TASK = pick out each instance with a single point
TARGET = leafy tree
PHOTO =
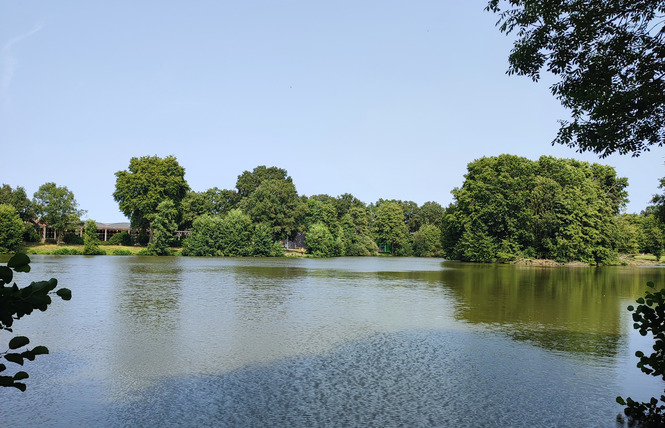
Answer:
(610, 59)
(91, 240)
(11, 229)
(275, 203)
(262, 243)
(236, 234)
(163, 226)
(248, 182)
(149, 181)
(651, 238)
(213, 201)
(427, 242)
(122, 238)
(429, 213)
(320, 242)
(206, 234)
(510, 206)
(628, 241)
(649, 317)
(19, 200)
(390, 227)
(57, 207)
(15, 303)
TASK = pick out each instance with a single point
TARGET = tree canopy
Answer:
(149, 181)
(609, 57)
(57, 207)
(510, 207)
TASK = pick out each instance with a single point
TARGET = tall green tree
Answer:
(275, 203)
(163, 226)
(427, 242)
(609, 57)
(553, 208)
(57, 207)
(91, 239)
(19, 200)
(149, 181)
(11, 229)
(390, 227)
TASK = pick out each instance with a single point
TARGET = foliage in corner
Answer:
(15, 303)
(649, 316)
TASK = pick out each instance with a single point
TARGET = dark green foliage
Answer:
(233, 235)
(30, 233)
(121, 252)
(276, 203)
(11, 229)
(66, 252)
(427, 242)
(163, 225)
(16, 303)
(213, 201)
(149, 181)
(248, 182)
(71, 238)
(91, 240)
(511, 207)
(19, 200)
(390, 227)
(320, 242)
(57, 207)
(649, 317)
(122, 238)
(610, 59)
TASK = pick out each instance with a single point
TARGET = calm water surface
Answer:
(337, 342)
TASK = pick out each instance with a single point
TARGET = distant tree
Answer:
(91, 240)
(628, 240)
(275, 203)
(427, 242)
(319, 241)
(552, 208)
(213, 201)
(11, 229)
(429, 213)
(248, 181)
(651, 236)
(262, 243)
(390, 227)
(57, 207)
(149, 181)
(19, 200)
(609, 57)
(163, 226)
(205, 237)
(236, 234)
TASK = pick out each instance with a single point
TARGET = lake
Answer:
(179, 341)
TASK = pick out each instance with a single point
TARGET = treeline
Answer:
(508, 207)
(263, 209)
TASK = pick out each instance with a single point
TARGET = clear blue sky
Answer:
(381, 99)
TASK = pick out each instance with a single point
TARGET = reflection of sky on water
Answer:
(384, 341)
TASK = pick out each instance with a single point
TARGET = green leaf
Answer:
(6, 274)
(621, 401)
(14, 358)
(64, 293)
(2, 367)
(18, 342)
(631, 308)
(40, 350)
(28, 355)
(21, 376)
(20, 386)
(19, 262)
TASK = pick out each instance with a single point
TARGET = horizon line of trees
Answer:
(508, 207)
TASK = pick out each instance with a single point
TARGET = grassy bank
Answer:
(111, 250)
